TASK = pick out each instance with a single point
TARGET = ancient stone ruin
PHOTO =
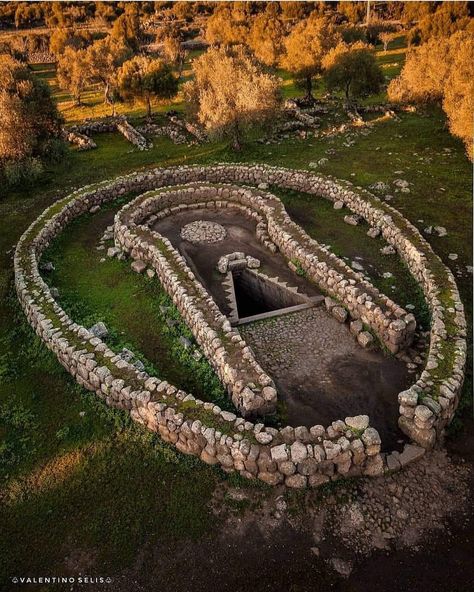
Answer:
(297, 456)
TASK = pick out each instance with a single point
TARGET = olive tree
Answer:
(354, 70)
(146, 79)
(266, 36)
(73, 72)
(103, 60)
(30, 124)
(231, 92)
(441, 71)
(306, 46)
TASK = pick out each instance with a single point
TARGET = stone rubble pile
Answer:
(237, 261)
(80, 140)
(171, 131)
(133, 135)
(203, 231)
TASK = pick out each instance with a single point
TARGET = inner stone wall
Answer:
(393, 326)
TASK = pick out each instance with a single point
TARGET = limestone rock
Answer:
(358, 422)
(365, 339)
(138, 266)
(99, 330)
(339, 313)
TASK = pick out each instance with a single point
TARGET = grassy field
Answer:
(83, 488)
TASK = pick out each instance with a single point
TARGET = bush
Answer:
(54, 150)
(23, 172)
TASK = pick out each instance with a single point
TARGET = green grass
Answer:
(326, 225)
(92, 290)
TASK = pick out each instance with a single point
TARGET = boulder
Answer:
(99, 330)
(138, 266)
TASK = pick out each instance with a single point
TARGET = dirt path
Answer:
(333, 540)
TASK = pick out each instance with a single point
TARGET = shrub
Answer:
(23, 172)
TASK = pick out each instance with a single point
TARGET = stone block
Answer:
(410, 454)
(365, 339)
(298, 452)
(138, 266)
(339, 313)
(358, 422)
(296, 481)
(279, 453)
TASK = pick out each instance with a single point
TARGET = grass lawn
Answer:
(81, 485)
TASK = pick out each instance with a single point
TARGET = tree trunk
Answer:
(348, 84)
(148, 106)
(236, 140)
(107, 100)
(309, 89)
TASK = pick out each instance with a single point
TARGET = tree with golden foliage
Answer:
(352, 69)
(448, 18)
(145, 79)
(355, 12)
(29, 121)
(127, 28)
(294, 10)
(62, 38)
(173, 52)
(415, 11)
(305, 48)
(231, 92)
(103, 60)
(229, 24)
(442, 70)
(73, 72)
(266, 35)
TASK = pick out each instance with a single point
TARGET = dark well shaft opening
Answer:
(256, 295)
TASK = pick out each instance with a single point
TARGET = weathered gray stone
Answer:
(138, 266)
(339, 313)
(298, 452)
(279, 453)
(410, 454)
(99, 330)
(371, 440)
(365, 339)
(358, 422)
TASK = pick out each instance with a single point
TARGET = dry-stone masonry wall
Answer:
(108, 124)
(393, 325)
(251, 389)
(298, 457)
(82, 141)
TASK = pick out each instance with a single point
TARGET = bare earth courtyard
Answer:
(323, 374)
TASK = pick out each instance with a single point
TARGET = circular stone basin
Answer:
(203, 231)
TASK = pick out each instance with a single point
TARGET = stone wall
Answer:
(82, 141)
(298, 457)
(108, 124)
(133, 135)
(251, 389)
(392, 325)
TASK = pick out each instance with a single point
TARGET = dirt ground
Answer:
(325, 543)
(203, 258)
(322, 374)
